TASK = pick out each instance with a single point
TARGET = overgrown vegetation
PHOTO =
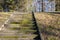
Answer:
(13, 5)
(20, 5)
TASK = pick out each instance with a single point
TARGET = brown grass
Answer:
(49, 25)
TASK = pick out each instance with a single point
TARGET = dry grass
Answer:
(49, 25)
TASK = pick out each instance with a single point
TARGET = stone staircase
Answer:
(19, 27)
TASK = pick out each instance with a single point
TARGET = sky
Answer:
(48, 6)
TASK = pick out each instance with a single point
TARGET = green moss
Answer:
(23, 36)
(9, 37)
(26, 21)
(15, 22)
(15, 28)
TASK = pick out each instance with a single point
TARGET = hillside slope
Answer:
(49, 25)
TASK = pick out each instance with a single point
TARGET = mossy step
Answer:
(9, 37)
(27, 31)
(12, 25)
(18, 26)
(20, 36)
(21, 22)
(28, 36)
